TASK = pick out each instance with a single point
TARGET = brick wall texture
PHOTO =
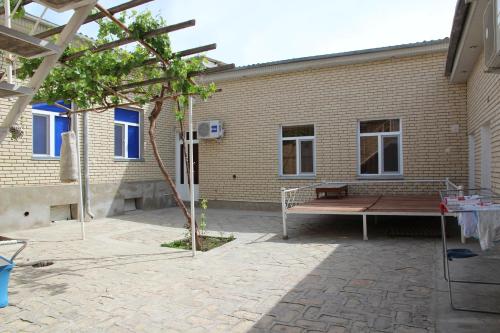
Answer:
(244, 165)
(19, 168)
(483, 106)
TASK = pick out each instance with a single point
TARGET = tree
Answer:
(93, 80)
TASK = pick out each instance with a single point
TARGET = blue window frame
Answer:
(128, 138)
(48, 125)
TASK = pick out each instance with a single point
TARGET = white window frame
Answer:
(51, 116)
(298, 140)
(380, 136)
(123, 140)
(126, 125)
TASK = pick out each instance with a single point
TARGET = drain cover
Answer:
(43, 263)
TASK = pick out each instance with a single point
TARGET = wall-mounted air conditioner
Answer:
(491, 33)
(211, 129)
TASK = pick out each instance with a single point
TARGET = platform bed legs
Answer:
(365, 228)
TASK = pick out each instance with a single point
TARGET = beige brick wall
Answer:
(413, 89)
(483, 107)
(19, 168)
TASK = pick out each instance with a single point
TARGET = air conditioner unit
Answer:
(491, 29)
(211, 129)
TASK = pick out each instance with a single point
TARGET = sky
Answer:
(249, 32)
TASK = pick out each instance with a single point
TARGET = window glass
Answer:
(391, 154)
(374, 126)
(119, 140)
(306, 157)
(40, 135)
(61, 126)
(133, 142)
(369, 154)
(129, 116)
(294, 131)
(289, 152)
(127, 133)
(48, 125)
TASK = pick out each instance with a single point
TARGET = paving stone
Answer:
(120, 279)
(286, 329)
(403, 317)
(409, 329)
(383, 323)
(337, 329)
(310, 324)
(359, 326)
(312, 312)
(334, 320)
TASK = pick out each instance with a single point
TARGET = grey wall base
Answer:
(29, 207)
(244, 205)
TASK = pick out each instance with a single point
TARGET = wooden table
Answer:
(338, 190)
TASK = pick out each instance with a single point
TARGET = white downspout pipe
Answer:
(74, 128)
(191, 176)
(86, 164)
(8, 24)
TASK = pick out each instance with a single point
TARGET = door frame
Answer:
(472, 161)
(183, 189)
(486, 156)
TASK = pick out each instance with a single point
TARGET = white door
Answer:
(485, 157)
(181, 168)
(472, 162)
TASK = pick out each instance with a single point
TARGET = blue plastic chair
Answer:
(6, 266)
(4, 281)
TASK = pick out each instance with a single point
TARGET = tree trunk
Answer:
(152, 138)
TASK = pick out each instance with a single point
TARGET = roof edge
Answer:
(457, 29)
(333, 59)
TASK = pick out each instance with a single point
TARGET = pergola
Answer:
(37, 46)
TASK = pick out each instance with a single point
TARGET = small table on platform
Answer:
(338, 190)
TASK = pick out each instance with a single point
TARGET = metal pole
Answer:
(191, 176)
(365, 228)
(8, 24)
(81, 217)
(283, 212)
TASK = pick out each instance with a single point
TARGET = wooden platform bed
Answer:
(363, 205)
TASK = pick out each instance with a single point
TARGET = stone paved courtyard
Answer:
(323, 279)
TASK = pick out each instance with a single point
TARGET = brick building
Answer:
(417, 111)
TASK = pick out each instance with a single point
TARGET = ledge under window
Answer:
(118, 159)
(380, 177)
(297, 177)
(45, 158)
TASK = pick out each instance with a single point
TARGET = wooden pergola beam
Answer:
(128, 40)
(104, 108)
(183, 53)
(195, 50)
(166, 79)
(95, 17)
(25, 2)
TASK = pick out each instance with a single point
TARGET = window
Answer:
(128, 133)
(297, 151)
(380, 147)
(48, 125)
